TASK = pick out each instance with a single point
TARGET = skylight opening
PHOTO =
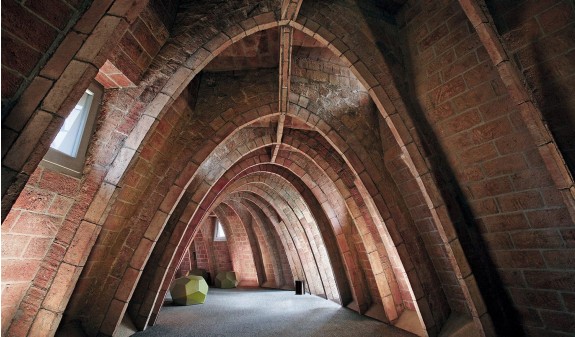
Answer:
(219, 234)
(70, 135)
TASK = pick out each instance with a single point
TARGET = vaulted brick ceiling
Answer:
(387, 152)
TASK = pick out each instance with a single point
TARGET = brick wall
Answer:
(29, 232)
(30, 33)
(185, 265)
(515, 207)
(141, 43)
(539, 36)
(213, 256)
(49, 214)
(343, 189)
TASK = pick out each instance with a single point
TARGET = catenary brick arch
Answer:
(327, 131)
(243, 256)
(156, 107)
(44, 304)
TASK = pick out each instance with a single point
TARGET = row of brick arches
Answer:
(404, 158)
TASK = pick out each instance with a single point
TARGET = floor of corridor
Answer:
(264, 312)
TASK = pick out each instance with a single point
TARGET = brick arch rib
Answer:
(254, 239)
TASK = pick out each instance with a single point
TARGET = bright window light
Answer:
(70, 135)
(219, 235)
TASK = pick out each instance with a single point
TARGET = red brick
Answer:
(569, 300)
(560, 259)
(45, 322)
(467, 45)
(504, 165)
(56, 12)
(63, 55)
(60, 183)
(536, 298)
(433, 37)
(37, 248)
(129, 281)
(531, 179)
(145, 38)
(61, 288)
(554, 280)
(121, 80)
(569, 237)
(33, 199)
(60, 206)
(12, 245)
(37, 224)
(459, 123)
(479, 74)
(520, 201)
(474, 96)
(460, 66)
(69, 88)
(13, 293)
(498, 241)
(497, 108)
(27, 142)
(447, 90)
(518, 37)
(8, 138)
(559, 321)
(27, 103)
(104, 80)
(81, 244)
(490, 187)
(10, 83)
(13, 51)
(478, 154)
(537, 239)
(18, 270)
(549, 218)
(519, 259)
(529, 316)
(514, 143)
(440, 113)
(506, 222)
(27, 26)
(91, 17)
(141, 254)
(491, 130)
(131, 46)
(55, 255)
(556, 17)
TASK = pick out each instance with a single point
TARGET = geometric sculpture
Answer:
(189, 290)
(227, 279)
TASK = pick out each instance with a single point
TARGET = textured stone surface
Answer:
(425, 159)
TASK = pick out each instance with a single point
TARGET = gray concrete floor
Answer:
(264, 312)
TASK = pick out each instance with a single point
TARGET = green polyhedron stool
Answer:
(189, 290)
(227, 279)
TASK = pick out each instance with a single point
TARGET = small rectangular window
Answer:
(219, 234)
(70, 135)
(67, 152)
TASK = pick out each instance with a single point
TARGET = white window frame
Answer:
(219, 232)
(74, 165)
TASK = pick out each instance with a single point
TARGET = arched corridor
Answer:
(403, 158)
